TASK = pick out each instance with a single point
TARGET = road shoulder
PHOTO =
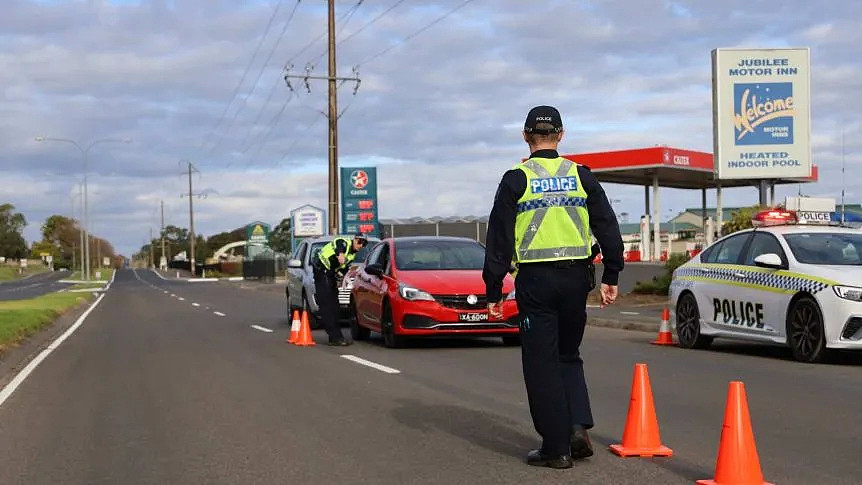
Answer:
(16, 358)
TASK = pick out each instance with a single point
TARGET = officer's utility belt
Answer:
(561, 263)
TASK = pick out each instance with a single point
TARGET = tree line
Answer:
(177, 241)
(61, 239)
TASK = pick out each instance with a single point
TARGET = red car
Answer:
(428, 287)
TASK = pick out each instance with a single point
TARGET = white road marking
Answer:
(594, 306)
(166, 291)
(201, 280)
(220, 314)
(181, 298)
(196, 304)
(10, 388)
(173, 295)
(159, 274)
(262, 329)
(373, 365)
(629, 313)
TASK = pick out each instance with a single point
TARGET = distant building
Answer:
(472, 227)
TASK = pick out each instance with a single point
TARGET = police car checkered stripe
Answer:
(789, 283)
(552, 202)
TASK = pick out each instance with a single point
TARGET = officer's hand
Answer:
(495, 310)
(341, 258)
(609, 294)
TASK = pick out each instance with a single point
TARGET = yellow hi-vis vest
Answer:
(552, 221)
(328, 251)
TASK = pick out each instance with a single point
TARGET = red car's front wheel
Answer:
(390, 339)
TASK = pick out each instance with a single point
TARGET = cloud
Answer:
(440, 114)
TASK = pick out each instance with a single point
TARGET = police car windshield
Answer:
(826, 248)
(438, 255)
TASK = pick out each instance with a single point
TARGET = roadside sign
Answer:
(359, 200)
(106, 261)
(308, 221)
(257, 233)
(761, 113)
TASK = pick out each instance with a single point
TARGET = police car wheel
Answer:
(357, 332)
(805, 333)
(688, 324)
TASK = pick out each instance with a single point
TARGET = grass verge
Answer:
(20, 319)
(10, 272)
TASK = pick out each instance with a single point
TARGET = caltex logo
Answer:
(359, 179)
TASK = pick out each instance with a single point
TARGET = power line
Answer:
(370, 23)
(277, 81)
(344, 20)
(257, 80)
(271, 128)
(244, 74)
(414, 34)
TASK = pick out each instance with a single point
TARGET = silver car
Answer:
(299, 291)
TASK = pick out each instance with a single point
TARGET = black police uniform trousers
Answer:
(326, 295)
(552, 298)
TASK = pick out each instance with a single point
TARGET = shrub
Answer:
(660, 285)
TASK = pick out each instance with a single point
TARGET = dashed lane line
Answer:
(220, 314)
(262, 329)
(373, 365)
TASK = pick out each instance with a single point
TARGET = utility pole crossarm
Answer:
(332, 78)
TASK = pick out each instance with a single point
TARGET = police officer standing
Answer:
(332, 262)
(544, 211)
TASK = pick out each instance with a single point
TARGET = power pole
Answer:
(191, 195)
(333, 114)
(151, 247)
(162, 232)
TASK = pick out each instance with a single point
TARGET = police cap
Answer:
(543, 120)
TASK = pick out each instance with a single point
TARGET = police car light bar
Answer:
(780, 217)
(773, 217)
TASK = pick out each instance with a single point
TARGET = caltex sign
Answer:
(359, 200)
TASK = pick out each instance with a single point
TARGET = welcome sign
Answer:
(761, 113)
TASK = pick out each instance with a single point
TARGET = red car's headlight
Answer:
(413, 294)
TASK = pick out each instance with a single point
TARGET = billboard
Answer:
(257, 233)
(308, 221)
(761, 113)
(359, 200)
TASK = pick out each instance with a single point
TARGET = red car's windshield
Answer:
(437, 255)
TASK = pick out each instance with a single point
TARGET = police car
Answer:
(791, 280)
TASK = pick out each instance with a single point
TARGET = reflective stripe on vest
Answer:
(328, 250)
(548, 194)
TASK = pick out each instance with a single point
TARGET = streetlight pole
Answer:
(80, 231)
(85, 154)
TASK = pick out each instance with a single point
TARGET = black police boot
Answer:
(538, 458)
(580, 443)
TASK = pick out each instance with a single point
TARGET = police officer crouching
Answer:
(544, 213)
(331, 264)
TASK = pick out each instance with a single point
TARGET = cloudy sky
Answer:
(439, 110)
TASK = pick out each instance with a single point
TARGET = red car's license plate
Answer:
(473, 317)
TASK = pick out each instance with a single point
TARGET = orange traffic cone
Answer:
(737, 461)
(665, 337)
(641, 436)
(295, 326)
(304, 339)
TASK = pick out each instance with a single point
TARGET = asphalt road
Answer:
(36, 285)
(156, 387)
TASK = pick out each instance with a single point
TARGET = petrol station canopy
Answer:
(664, 166)
(673, 167)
